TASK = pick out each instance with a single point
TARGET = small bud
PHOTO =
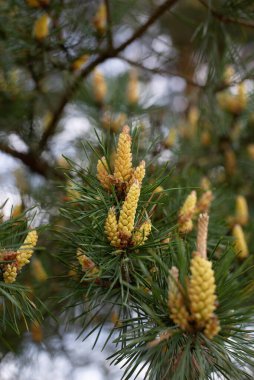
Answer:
(241, 212)
(241, 247)
(41, 27)
(100, 19)
(133, 88)
(99, 86)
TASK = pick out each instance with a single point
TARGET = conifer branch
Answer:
(35, 164)
(227, 19)
(110, 53)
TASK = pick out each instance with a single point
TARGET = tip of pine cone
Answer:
(126, 129)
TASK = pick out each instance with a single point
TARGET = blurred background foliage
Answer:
(180, 71)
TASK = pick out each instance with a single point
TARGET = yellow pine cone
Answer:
(41, 27)
(26, 250)
(230, 162)
(132, 90)
(205, 184)
(86, 263)
(212, 327)
(123, 158)
(241, 212)
(113, 123)
(111, 228)
(103, 173)
(99, 86)
(128, 212)
(171, 138)
(10, 273)
(228, 75)
(141, 235)
(240, 242)
(72, 193)
(38, 270)
(138, 175)
(36, 331)
(17, 210)
(37, 3)
(204, 203)
(187, 212)
(201, 290)
(79, 62)
(250, 151)
(177, 310)
(100, 19)
(193, 115)
(206, 138)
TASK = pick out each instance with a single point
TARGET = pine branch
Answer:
(227, 19)
(154, 70)
(38, 166)
(110, 53)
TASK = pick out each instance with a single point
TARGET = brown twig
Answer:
(38, 166)
(188, 80)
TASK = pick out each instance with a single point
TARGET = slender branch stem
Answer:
(190, 81)
(38, 166)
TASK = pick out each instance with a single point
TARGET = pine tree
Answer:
(146, 218)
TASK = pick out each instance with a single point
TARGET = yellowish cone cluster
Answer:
(141, 234)
(187, 212)
(10, 273)
(99, 86)
(133, 88)
(194, 311)
(241, 247)
(212, 327)
(86, 263)
(124, 175)
(204, 202)
(100, 19)
(111, 228)
(176, 303)
(41, 27)
(79, 62)
(241, 210)
(123, 159)
(103, 173)
(26, 250)
(121, 233)
(38, 270)
(201, 290)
